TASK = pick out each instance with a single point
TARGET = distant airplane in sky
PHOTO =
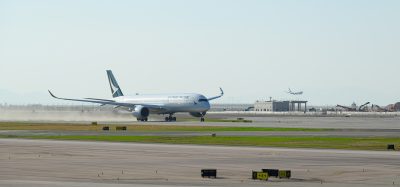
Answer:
(294, 93)
(142, 106)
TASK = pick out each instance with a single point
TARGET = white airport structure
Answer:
(280, 106)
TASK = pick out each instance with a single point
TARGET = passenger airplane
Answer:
(142, 106)
(294, 93)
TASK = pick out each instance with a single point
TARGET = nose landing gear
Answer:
(202, 116)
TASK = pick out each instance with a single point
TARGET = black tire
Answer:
(145, 119)
(166, 119)
(173, 118)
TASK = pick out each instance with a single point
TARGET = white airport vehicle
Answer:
(142, 106)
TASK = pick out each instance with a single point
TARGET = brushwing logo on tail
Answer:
(115, 89)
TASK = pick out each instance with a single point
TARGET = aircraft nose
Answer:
(206, 106)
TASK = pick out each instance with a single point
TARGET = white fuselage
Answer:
(169, 103)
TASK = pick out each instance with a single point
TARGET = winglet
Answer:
(216, 97)
(52, 95)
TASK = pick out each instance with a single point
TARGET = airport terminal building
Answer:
(280, 106)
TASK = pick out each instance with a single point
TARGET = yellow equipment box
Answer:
(120, 128)
(260, 175)
(284, 174)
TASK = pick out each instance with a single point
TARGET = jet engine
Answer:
(141, 112)
(197, 114)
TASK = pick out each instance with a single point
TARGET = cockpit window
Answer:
(201, 100)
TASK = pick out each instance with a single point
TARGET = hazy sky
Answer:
(335, 51)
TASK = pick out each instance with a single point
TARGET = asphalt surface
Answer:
(366, 121)
(74, 163)
(335, 133)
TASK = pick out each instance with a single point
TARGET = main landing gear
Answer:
(141, 119)
(202, 119)
(170, 118)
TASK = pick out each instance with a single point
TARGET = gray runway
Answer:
(259, 120)
(334, 133)
(290, 121)
(307, 122)
(75, 163)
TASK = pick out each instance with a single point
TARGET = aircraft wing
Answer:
(110, 102)
(216, 97)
